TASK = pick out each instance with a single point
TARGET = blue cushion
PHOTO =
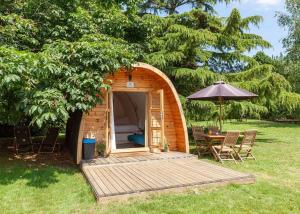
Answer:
(137, 139)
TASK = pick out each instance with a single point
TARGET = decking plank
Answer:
(157, 178)
(135, 187)
(114, 180)
(172, 173)
(186, 173)
(142, 175)
(136, 178)
(115, 176)
(127, 186)
(104, 184)
(163, 174)
(105, 191)
(95, 186)
(107, 181)
(211, 170)
(210, 173)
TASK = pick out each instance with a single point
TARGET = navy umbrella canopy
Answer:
(220, 91)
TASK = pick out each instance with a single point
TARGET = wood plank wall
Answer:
(143, 80)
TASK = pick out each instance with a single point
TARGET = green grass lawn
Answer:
(36, 188)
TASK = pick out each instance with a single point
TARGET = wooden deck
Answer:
(123, 175)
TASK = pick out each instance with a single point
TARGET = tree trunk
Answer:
(72, 132)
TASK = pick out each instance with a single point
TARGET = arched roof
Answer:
(170, 84)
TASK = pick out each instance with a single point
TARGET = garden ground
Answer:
(46, 187)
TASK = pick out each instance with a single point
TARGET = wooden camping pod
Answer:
(146, 79)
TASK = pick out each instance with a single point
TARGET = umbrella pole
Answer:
(221, 114)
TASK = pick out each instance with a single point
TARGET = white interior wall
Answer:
(140, 100)
(129, 114)
(129, 108)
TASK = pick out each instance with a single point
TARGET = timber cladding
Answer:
(146, 79)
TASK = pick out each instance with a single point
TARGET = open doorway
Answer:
(129, 114)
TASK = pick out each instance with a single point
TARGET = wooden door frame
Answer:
(136, 90)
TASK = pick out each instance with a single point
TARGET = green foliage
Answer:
(179, 45)
(288, 105)
(48, 108)
(188, 80)
(233, 42)
(291, 22)
(68, 50)
(272, 89)
(199, 39)
(199, 110)
(69, 73)
(101, 148)
(57, 53)
(17, 32)
(275, 99)
(171, 6)
(17, 71)
(240, 110)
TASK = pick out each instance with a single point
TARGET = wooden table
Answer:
(213, 138)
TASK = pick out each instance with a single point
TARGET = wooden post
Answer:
(221, 113)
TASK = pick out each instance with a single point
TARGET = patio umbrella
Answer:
(220, 92)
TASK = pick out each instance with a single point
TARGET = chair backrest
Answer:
(198, 132)
(22, 135)
(51, 136)
(249, 137)
(231, 138)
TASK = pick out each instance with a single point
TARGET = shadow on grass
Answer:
(266, 140)
(36, 170)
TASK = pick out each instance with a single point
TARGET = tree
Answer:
(291, 21)
(54, 56)
(233, 43)
(199, 39)
(172, 6)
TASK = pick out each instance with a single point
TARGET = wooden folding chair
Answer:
(201, 145)
(22, 140)
(244, 150)
(225, 150)
(50, 142)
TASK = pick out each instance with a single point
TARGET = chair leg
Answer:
(40, 148)
(59, 148)
(201, 149)
(250, 153)
(220, 159)
(53, 147)
(233, 158)
(217, 155)
(213, 152)
(241, 159)
(196, 151)
(17, 149)
(238, 155)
